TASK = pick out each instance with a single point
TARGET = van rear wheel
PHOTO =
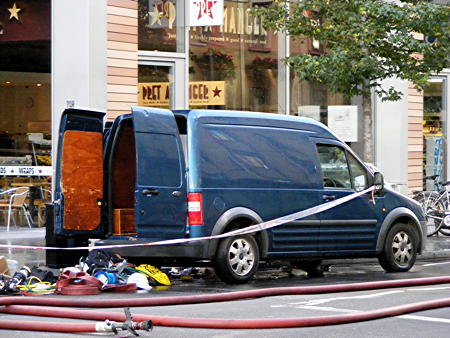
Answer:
(400, 249)
(237, 259)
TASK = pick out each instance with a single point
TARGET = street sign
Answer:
(11, 170)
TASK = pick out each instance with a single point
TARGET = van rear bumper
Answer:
(194, 250)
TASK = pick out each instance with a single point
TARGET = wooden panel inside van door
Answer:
(82, 179)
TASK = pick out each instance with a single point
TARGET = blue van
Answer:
(157, 174)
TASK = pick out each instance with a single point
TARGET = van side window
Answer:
(159, 163)
(334, 166)
(359, 174)
(235, 156)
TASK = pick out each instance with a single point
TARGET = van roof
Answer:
(258, 119)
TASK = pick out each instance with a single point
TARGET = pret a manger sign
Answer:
(206, 12)
(202, 93)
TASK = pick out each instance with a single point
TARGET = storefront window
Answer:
(236, 64)
(315, 100)
(155, 85)
(25, 95)
(311, 99)
(434, 116)
(161, 25)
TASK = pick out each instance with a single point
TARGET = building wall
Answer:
(95, 65)
(415, 139)
(78, 58)
(122, 56)
(391, 137)
(78, 54)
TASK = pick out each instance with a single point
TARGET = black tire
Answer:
(237, 259)
(433, 207)
(400, 249)
(444, 230)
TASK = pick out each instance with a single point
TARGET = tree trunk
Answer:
(368, 155)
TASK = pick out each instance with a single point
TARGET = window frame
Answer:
(351, 172)
(347, 152)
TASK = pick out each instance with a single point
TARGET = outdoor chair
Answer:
(40, 205)
(16, 201)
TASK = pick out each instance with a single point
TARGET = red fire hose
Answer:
(221, 297)
(205, 323)
(10, 305)
(47, 327)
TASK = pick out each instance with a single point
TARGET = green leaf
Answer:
(367, 41)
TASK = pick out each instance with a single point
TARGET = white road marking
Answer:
(433, 264)
(313, 304)
(430, 289)
(411, 317)
(326, 308)
(427, 319)
(327, 300)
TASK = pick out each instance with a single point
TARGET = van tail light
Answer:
(195, 208)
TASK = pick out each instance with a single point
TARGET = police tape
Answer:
(247, 230)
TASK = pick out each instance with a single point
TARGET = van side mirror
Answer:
(378, 181)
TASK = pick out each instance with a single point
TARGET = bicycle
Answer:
(435, 205)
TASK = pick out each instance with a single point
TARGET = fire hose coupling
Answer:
(128, 325)
(18, 278)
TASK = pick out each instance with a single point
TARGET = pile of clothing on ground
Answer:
(99, 271)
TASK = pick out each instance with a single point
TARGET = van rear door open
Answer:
(79, 173)
(161, 190)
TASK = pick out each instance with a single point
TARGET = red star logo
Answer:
(204, 8)
(217, 92)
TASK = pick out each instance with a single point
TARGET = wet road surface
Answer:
(434, 323)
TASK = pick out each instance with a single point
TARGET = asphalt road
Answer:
(432, 323)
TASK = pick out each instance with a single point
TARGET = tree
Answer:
(366, 42)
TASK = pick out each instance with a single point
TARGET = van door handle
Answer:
(150, 192)
(328, 197)
(176, 193)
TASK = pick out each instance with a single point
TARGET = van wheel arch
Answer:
(399, 215)
(238, 218)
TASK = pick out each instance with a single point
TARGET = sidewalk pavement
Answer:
(437, 247)
(21, 232)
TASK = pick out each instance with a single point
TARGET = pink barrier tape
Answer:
(250, 229)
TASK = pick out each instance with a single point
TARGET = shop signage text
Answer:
(239, 26)
(205, 12)
(236, 25)
(26, 171)
(203, 93)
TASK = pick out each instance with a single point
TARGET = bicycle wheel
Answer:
(433, 207)
(444, 230)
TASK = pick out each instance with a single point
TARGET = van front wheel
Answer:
(400, 249)
(237, 259)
